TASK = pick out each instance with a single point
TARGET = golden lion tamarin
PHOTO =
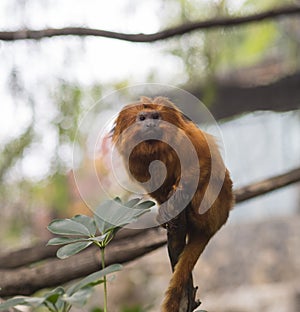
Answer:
(152, 130)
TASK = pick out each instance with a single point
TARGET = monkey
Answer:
(155, 129)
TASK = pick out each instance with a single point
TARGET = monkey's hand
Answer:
(169, 210)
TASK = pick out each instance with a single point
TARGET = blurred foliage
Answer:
(204, 56)
(28, 203)
(68, 100)
(207, 54)
(57, 192)
(13, 150)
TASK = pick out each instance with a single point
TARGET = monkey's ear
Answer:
(161, 100)
(145, 100)
(185, 117)
(111, 132)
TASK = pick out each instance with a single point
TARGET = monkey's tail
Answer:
(183, 268)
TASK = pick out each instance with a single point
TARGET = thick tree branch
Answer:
(27, 280)
(268, 185)
(40, 251)
(54, 272)
(170, 32)
(231, 99)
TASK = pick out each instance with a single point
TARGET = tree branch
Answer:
(54, 272)
(27, 280)
(40, 251)
(268, 185)
(167, 33)
(232, 99)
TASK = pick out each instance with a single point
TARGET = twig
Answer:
(161, 35)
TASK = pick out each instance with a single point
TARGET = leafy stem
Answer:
(76, 234)
(104, 280)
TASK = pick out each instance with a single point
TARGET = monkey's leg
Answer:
(176, 233)
(173, 218)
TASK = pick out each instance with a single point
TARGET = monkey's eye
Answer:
(155, 115)
(142, 117)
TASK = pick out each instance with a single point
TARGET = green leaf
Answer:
(132, 202)
(53, 295)
(96, 309)
(68, 227)
(64, 240)
(118, 200)
(110, 215)
(28, 301)
(12, 303)
(35, 301)
(133, 309)
(100, 238)
(72, 249)
(99, 215)
(88, 222)
(60, 305)
(145, 204)
(80, 297)
(93, 278)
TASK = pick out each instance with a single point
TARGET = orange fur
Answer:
(201, 224)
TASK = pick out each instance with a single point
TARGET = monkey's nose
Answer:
(150, 123)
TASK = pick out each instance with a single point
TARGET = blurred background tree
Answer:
(47, 85)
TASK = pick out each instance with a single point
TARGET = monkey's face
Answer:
(149, 126)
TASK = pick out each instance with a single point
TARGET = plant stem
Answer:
(104, 280)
